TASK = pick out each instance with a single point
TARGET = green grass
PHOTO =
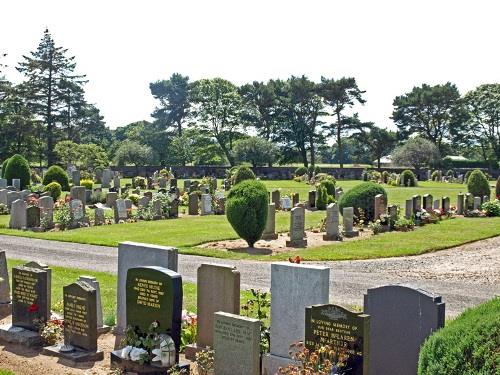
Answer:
(6, 372)
(62, 276)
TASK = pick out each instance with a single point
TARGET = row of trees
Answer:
(213, 121)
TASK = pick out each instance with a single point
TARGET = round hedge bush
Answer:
(300, 171)
(314, 169)
(329, 186)
(54, 189)
(89, 184)
(362, 197)
(57, 174)
(18, 167)
(321, 197)
(408, 178)
(478, 184)
(246, 209)
(4, 166)
(467, 345)
(242, 174)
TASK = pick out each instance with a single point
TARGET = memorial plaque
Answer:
(80, 316)
(29, 297)
(154, 294)
(344, 331)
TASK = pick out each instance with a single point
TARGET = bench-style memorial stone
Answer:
(346, 332)
(236, 345)
(401, 319)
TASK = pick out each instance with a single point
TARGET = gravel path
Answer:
(465, 276)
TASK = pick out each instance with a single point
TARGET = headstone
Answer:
(427, 200)
(270, 229)
(16, 182)
(236, 344)
(218, 290)
(46, 205)
(128, 204)
(297, 228)
(206, 204)
(486, 199)
(445, 204)
(417, 203)
(3, 183)
(401, 318)
(25, 193)
(76, 211)
(120, 210)
(286, 203)
(30, 302)
(75, 176)
(437, 204)
(393, 214)
(143, 201)
(18, 217)
(460, 204)
(157, 210)
(429, 174)
(275, 198)
(477, 203)
(111, 198)
(162, 182)
(345, 332)
(380, 206)
(295, 199)
(173, 182)
(92, 281)
(116, 182)
(78, 192)
(99, 217)
(3, 196)
(173, 210)
(11, 197)
(312, 199)
(469, 202)
(154, 294)
(133, 254)
(106, 178)
(187, 186)
(293, 288)
(348, 221)
(338, 193)
(5, 307)
(32, 217)
(193, 204)
(332, 223)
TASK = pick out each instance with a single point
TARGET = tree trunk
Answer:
(339, 141)
(378, 163)
(311, 151)
(303, 153)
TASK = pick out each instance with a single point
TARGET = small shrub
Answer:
(435, 176)
(466, 177)
(404, 225)
(134, 198)
(313, 169)
(467, 345)
(85, 175)
(385, 177)
(242, 174)
(409, 178)
(54, 189)
(35, 178)
(4, 166)
(18, 167)
(321, 197)
(57, 174)
(375, 226)
(478, 184)
(324, 176)
(329, 185)
(89, 184)
(491, 208)
(246, 210)
(450, 173)
(62, 215)
(300, 171)
(362, 197)
(4, 210)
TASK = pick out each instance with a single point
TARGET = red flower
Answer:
(33, 308)
(296, 260)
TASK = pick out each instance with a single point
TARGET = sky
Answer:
(388, 46)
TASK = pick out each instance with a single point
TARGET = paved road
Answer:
(464, 276)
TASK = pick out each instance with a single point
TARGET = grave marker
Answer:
(460, 204)
(206, 204)
(193, 204)
(5, 305)
(120, 210)
(428, 202)
(380, 206)
(332, 223)
(275, 198)
(348, 220)
(297, 228)
(270, 230)
(46, 205)
(18, 217)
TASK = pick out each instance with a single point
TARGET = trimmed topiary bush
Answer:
(313, 169)
(478, 184)
(300, 171)
(497, 189)
(54, 188)
(467, 345)
(18, 167)
(242, 174)
(362, 197)
(466, 177)
(4, 166)
(246, 209)
(56, 173)
(89, 184)
(321, 197)
(329, 184)
(408, 178)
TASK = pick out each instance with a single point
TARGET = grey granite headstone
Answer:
(485, 199)
(76, 211)
(46, 205)
(293, 288)
(297, 228)
(445, 204)
(32, 217)
(16, 182)
(477, 203)
(193, 204)
(78, 192)
(332, 223)
(393, 214)
(236, 344)
(206, 204)
(133, 254)
(18, 217)
(75, 176)
(460, 204)
(4, 283)
(276, 199)
(99, 217)
(401, 319)
(3, 196)
(106, 178)
(311, 199)
(417, 203)
(3, 183)
(437, 204)
(187, 186)
(120, 210)
(270, 230)
(111, 198)
(143, 201)
(11, 197)
(380, 206)
(348, 221)
(116, 182)
(469, 202)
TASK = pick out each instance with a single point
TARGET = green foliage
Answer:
(54, 188)
(18, 167)
(416, 152)
(246, 209)
(254, 150)
(385, 177)
(466, 177)
(492, 208)
(329, 185)
(56, 173)
(89, 184)
(362, 197)
(408, 178)
(321, 197)
(242, 174)
(450, 163)
(478, 185)
(314, 169)
(497, 188)
(435, 175)
(4, 167)
(300, 171)
(258, 307)
(468, 345)
(131, 152)
(63, 216)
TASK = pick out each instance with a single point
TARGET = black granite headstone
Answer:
(401, 318)
(30, 304)
(154, 294)
(43, 266)
(346, 332)
(80, 316)
(32, 217)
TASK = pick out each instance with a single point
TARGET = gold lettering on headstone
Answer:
(233, 332)
(149, 292)
(25, 290)
(75, 315)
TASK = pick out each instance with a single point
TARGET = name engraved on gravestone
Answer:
(29, 297)
(344, 331)
(80, 316)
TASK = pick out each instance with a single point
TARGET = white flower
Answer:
(126, 351)
(135, 354)
(157, 353)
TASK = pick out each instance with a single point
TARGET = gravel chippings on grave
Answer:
(465, 275)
